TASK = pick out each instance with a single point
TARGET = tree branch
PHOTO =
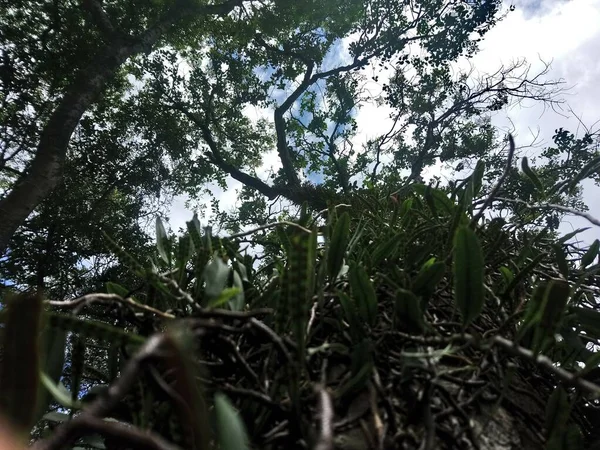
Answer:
(490, 198)
(101, 20)
(73, 429)
(47, 166)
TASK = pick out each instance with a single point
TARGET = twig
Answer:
(71, 430)
(100, 297)
(132, 437)
(313, 315)
(232, 347)
(228, 314)
(325, 439)
(507, 345)
(269, 225)
(490, 198)
(259, 397)
(182, 294)
(273, 336)
(546, 363)
(320, 213)
(566, 209)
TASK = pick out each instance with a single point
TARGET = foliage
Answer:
(379, 322)
(385, 313)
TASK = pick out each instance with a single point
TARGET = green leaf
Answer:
(431, 204)
(440, 199)
(195, 232)
(406, 207)
(428, 278)
(568, 236)
(361, 368)
(241, 269)
(215, 276)
(524, 272)
(408, 311)
(52, 354)
(349, 308)
(557, 296)
(231, 432)
(385, 249)
(162, 242)
(507, 274)
(180, 345)
(59, 392)
(238, 302)
(468, 274)
(466, 200)
(114, 288)
(301, 260)
(531, 175)
(590, 168)
(337, 246)
(589, 320)
(558, 410)
(184, 252)
(226, 295)
(477, 177)
(561, 261)
(591, 254)
(363, 293)
(545, 311)
(573, 438)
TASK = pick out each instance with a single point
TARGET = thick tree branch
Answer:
(101, 19)
(215, 157)
(280, 128)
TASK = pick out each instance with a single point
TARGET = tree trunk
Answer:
(45, 172)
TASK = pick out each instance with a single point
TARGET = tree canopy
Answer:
(378, 309)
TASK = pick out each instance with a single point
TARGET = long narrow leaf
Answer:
(162, 242)
(337, 245)
(531, 175)
(468, 274)
(231, 432)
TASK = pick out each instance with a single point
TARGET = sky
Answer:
(564, 32)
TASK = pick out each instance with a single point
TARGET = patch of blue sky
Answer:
(336, 56)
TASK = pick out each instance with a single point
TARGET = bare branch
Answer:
(270, 225)
(566, 209)
(490, 198)
(325, 406)
(100, 298)
(101, 19)
(71, 430)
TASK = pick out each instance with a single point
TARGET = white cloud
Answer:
(568, 34)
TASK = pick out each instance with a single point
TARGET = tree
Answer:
(386, 313)
(47, 87)
(150, 101)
